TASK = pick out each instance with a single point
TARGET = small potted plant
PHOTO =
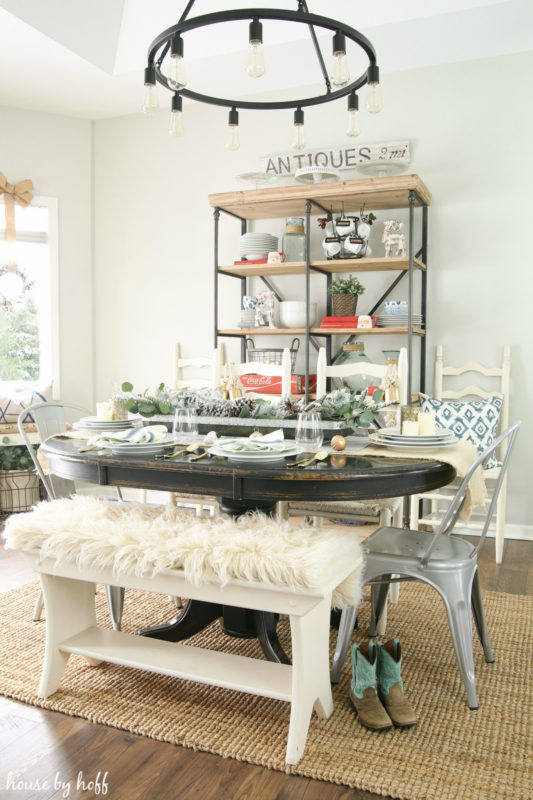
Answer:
(344, 292)
(19, 483)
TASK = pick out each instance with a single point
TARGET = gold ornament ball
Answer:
(338, 442)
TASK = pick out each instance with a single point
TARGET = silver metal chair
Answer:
(447, 563)
(50, 419)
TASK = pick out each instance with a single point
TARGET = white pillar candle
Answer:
(410, 427)
(104, 411)
(426, 424)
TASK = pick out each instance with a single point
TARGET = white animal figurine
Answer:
(392, 238)
(264, 310)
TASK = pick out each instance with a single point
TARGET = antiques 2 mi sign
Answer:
(335, 158)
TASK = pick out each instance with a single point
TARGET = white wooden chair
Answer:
(386, 511)
(214, 364)
(441, 498)
(325, 371)
(282, 371)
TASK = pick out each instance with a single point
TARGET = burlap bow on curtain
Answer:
(13, 193)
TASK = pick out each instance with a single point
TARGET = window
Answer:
(28, 298)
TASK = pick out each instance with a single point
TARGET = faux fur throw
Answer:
(144, 540)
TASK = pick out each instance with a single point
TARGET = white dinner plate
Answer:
(256, 455)
(375, 438)
(136, 450)
(404, 437)
(166, 442)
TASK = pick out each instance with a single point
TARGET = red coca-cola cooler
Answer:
(271, 384)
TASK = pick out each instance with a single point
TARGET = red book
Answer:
(339, 319)
(263, 261)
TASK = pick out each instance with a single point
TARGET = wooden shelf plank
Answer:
(393, 263)
(284, 201)
(364, 331)
(183, 661)
(396, 263)
(262, 332)
(317, 331)
(256, 270)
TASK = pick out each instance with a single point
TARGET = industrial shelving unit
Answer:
(403, 191)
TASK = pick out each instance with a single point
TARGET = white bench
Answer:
(68, 587)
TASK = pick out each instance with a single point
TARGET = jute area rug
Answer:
(452, 753)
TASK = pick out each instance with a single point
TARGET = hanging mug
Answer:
(354, 244)
(332, 246)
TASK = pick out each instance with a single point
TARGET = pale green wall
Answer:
(469, 127)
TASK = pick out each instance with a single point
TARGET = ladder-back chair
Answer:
(440, 498)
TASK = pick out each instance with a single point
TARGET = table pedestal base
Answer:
(243, 623)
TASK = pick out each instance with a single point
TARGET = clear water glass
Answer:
(309, 433)
(185, 427)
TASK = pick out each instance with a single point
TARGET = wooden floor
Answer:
(42, 746)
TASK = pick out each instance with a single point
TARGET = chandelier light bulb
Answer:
(255, 60)
(353, 127)
(374, 94)
(150, 102)
(233, 139)
(298, 137)
(175, 125)
(340, 72)
(177, 74)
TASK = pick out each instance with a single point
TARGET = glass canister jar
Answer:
(294, 239)
(354, 353)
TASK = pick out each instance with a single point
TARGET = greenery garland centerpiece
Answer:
(356, 409)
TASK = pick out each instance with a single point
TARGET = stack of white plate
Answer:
(399, 320)
(257, 246)
(95, 424)
(395, 439)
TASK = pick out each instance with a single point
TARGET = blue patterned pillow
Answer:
(13, 402)
(475, 420)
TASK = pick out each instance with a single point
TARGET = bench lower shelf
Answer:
(197, 664)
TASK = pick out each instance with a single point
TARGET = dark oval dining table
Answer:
(241, 487)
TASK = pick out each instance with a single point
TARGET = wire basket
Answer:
(19, 490)
(271, 355)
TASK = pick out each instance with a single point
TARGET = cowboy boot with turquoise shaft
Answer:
(390, 684)
(363, 692)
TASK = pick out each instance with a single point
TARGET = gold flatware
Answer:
(198, 457)
(320, 456)
(189, 449)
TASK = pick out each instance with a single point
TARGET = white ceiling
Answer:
(85, 58)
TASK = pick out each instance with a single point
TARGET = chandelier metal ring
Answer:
(162, 43)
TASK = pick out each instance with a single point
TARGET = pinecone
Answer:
(288, 407)
(236, 406)
(218, 408)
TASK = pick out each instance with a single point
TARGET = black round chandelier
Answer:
(166, 65)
